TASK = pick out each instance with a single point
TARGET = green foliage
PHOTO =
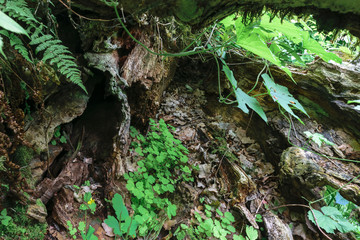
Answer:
(54, 52)
(244, 101)
(20, 226)
(337, 215)
(85, 235)
(161, 165)
(210, 227)
(23, 155)
(123, 223)
(58, 136)
(318, 138)
(251, 234)
(276, 41)
(330, 219)
(281, 95)
(262, 38)
(89, 204)
(5, 219)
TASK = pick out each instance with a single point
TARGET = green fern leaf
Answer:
(47, 44)
(37, 40)
(16, 42)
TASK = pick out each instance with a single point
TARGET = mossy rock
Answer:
(23, 155)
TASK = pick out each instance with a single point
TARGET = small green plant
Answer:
(58, 136)
(162, 163)
(209, 227)
(258, 218)
(19, 226)
(86, 235)
(330, 219)
(123, 224)
(89, 204)
(337, 215)
(5, 219)
(318, 138)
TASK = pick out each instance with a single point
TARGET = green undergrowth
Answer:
(15, 224)
(162, 164)
(338, 214)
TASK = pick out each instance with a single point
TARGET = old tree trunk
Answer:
(244, 165)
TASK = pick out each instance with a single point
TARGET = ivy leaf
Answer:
(244, 101)
(318, 138)
(281, 95)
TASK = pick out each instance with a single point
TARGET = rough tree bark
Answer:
(198, 13)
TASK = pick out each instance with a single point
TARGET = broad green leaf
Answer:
(171, 210)
(4, 212)
(256, 45)
(1, 46)
(281, 95)
(89, 234)
(325, 222)
(229, 216)
(331, 211)
(133, 227)
(344, 225)
(318, 138)
(244, 101)
(228, 21)
(313, 46)
(9, 24)
(119, 207)
(114, 224)
(251, 232)
(282, 26)
(231, 228)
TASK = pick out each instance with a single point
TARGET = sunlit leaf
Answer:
(281, 95)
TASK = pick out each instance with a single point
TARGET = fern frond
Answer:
(16, 42)
(55, 53)
(37, 40)
(46, 45)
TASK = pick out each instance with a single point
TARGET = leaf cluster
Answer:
(161, 165)
(208, 226)
(53, 51)
(123, 224)
(19, 225)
